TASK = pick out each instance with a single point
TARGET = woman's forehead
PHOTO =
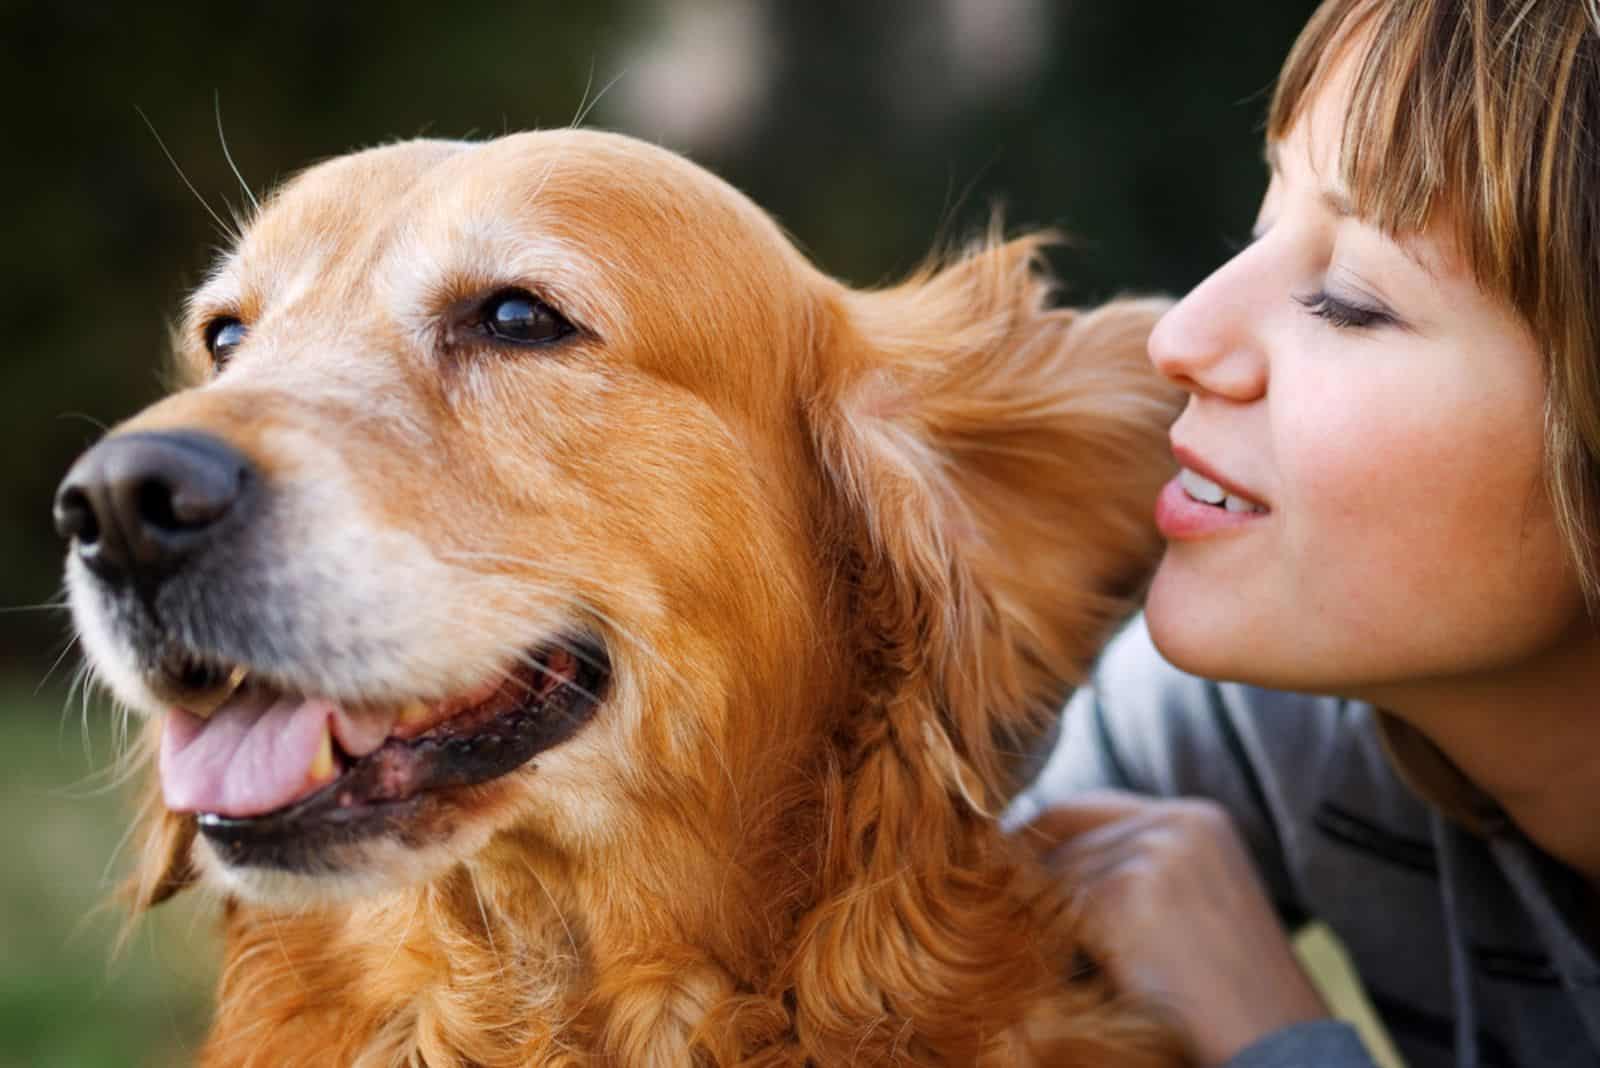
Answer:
(1309, 155)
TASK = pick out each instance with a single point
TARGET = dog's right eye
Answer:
(223, 335)
(517, 316)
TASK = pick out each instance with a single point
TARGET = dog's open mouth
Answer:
(268, 770)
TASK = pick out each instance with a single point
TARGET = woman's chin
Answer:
(1204, 631)
(1177, 629)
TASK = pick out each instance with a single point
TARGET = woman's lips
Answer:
(1204, 482)
(1181, 517)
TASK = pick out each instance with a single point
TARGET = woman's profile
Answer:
(1371, 646)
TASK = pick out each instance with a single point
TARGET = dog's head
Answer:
(540, 488)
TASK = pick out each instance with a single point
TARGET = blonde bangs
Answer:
(1488, 112)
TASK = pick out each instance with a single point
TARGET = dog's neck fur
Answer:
(497, 964)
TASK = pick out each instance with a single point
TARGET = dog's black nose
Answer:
(138, 504)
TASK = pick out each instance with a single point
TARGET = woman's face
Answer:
(1385, 416)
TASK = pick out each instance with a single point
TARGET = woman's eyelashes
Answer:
(1343, 312)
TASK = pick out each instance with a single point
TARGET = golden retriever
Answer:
(576, 631)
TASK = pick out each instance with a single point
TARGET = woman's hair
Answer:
(1490, 111)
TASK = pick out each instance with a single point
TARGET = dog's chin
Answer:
(352, 872)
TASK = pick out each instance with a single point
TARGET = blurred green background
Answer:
(870, 129)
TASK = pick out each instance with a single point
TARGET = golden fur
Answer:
(845, 548)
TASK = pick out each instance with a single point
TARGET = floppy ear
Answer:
(1002, 458)
(163, 839)
(990, 467)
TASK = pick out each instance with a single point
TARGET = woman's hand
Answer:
(1173, 909)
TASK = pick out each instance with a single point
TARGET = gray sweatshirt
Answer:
(1475, 947)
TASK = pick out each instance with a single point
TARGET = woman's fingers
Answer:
(1172, 907)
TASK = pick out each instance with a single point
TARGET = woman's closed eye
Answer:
(1343, 313)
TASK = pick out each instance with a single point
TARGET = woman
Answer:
(1391, 493)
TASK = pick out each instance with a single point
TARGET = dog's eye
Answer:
(223, 335)
(519, 317)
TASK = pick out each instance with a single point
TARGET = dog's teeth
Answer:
(323, 768)
(415, 714)
(203, 705)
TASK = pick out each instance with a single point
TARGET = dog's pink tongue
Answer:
(255, 753)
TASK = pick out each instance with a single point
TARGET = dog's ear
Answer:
(1000, 458)
(990, 465)
(162, 839)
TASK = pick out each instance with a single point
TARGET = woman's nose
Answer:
(1210, 341)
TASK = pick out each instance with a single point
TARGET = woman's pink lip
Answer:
(1193, 462)
(1182, 518)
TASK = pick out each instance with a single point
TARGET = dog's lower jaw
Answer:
(388, 865)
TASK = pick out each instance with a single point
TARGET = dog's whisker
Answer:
(48, 606)
(588, 83)
(79, 683)
(234, 234)
(126, 765)
(71, 642)
(578, 652)
(106, 877)
(216, 101)
(124, 741)
(587, 106)
(83, 727)
(528, 660)
(96, 783)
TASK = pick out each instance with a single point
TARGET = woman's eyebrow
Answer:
(1336, 199)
